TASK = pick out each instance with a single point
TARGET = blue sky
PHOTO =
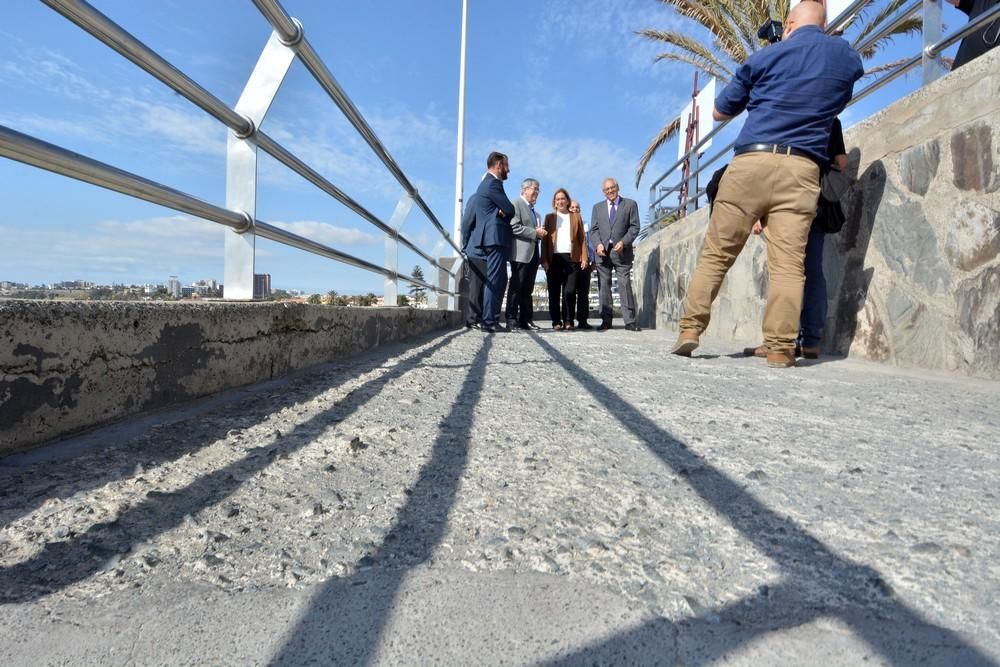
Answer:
(563, 86)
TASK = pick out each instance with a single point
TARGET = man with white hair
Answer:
(792, 91)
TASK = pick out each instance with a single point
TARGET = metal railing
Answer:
(928, 58)
(285, 44)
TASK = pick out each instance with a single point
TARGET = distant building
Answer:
(261, 285)
(174, 287)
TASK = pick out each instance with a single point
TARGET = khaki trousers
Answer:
(781, 191)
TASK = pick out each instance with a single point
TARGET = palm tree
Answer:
(732, 37)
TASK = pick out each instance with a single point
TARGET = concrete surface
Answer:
(914, 275)
(556, 498)
(67, 366)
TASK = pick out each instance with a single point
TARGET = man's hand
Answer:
(618, 247)
(600, 250)
(540, 233)
(757, 228)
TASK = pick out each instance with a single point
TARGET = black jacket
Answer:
(982, 40)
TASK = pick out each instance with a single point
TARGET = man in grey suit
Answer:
(527, 230)
(614, 224)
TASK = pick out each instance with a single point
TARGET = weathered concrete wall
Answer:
(914, 276)
(69, 366)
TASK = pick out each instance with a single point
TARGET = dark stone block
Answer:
(972, 159)
(909, 245)
(978, 303)
(918, 166)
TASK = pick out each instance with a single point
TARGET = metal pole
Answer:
(390, 290)
(931, 67)
(460, 150)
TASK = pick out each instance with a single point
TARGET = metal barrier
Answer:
(928, 58)
(285, 44)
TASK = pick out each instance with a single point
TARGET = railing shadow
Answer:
(862, 205)
(60, 564)
(817, 582)
(346, 618)
(19, 483)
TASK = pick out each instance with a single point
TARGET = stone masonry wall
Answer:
(71, 365)
(914, 276)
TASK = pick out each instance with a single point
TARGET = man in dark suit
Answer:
(486, 237)
(614, 224)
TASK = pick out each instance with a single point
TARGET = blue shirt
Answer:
(793, 90)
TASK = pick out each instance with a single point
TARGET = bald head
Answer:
(807, 12)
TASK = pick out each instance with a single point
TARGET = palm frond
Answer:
(664, 135)
(701, 56)
(885, 67)
(716, 69)
(908, 27)
(708, 17)
(871, 25)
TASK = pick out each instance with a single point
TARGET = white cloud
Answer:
(330, 235)
(579, 165)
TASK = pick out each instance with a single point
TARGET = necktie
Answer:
(535, 216)
(611, 216)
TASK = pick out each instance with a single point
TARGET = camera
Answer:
(771, 31)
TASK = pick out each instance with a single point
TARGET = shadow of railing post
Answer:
(870, 609)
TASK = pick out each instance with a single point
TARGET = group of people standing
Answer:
(496, 230)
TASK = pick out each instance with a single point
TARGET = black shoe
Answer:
(473, 325)
(492, 329)
(532, 326)
(604, 326)
(512, 325)
(632, 326)
(584, 325)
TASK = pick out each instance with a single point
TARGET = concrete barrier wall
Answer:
(914, 276)
(72, 365)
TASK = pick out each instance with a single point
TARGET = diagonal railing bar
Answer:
(117, 38)
(989, 15)
(291, 32)
(29, 150)
(835, 573)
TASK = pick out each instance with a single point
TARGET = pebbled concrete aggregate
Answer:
(563, 497)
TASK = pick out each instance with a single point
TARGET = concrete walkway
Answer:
(554, 498)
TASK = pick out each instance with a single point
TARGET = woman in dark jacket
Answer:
(564, 253)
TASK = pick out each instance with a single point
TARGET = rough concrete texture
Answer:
(520, 499)
(71, 365)
(914, 276)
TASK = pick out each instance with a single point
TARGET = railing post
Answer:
(692, 203)
(390, 293)
(931, 68)
(241, 164)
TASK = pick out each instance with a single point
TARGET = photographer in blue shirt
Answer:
(791, 91)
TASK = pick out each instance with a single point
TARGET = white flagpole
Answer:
(460, 150)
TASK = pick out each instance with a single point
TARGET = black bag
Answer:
(833, 183)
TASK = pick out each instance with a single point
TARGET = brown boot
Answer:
(687, 342)
(809, 352)
(781, 359)
(759, 351)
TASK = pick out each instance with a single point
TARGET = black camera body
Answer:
(771, 31)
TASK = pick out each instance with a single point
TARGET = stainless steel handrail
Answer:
(285, 26)
(970, 27)
(111, 34)
(30, 150)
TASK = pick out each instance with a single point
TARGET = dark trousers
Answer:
(814, 298)
(496, 283)
(522, 284)
(605, 265)
(562, 285)
(583, 294)
(475, 274)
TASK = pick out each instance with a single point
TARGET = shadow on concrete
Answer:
(60, 564)
(18, 479)
(646, 315)
(816, 584)
(346, 618)
(862, 205)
